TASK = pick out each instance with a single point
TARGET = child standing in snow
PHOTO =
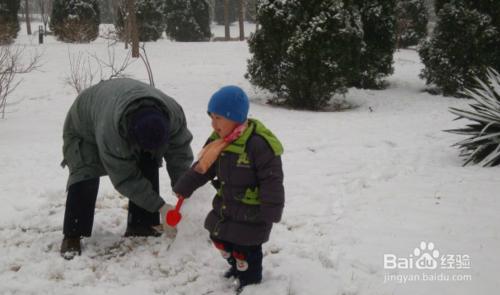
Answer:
(242, 159)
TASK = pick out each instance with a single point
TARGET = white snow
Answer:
(377, 179)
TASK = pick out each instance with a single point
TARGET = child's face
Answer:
(222, 126)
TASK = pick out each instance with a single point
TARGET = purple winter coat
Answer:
(252, 163)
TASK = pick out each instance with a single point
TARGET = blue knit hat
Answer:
(149, 128)
(230, 102)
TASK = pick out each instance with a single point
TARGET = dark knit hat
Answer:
(149, 128)
(230, 102)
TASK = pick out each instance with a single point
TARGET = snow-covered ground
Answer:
(363, 183)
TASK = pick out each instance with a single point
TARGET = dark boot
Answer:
(232, 272)
(226, 250)
(246, 280)
(248, 265)
(70, 247)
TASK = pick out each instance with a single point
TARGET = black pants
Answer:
(81, 199)
(247, 260)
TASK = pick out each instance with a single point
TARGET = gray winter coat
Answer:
(249, 181)
(95, 141)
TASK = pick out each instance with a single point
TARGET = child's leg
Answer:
(226, 249)
(248, 264)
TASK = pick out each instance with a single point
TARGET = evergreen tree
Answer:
(9, 24)
(219, 11)
(106, 11)
(465, 42)
(305, 50)
(250, 10)
(75, 20)
(188, 20)
(150, 20)
(438, 4)
(379, 20)
(491, 8)
(412, 19)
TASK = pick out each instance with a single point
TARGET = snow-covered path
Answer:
(374, 180)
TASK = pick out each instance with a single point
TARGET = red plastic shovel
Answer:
(174, 216)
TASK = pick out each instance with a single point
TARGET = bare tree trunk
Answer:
(226, 20)
(242, 19)
(127, 28)
(110, 6)
(212, 10)
(256, 15)
(27, 15)
(133, 32)
(41, 5)
(45, 9)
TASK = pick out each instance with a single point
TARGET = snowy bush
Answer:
(150, 21)
(379, 27)
(187, 20)
(305, 51)
(9, 24)
(411, 22)
(483, 145)
(465, 42)
(75, 20)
